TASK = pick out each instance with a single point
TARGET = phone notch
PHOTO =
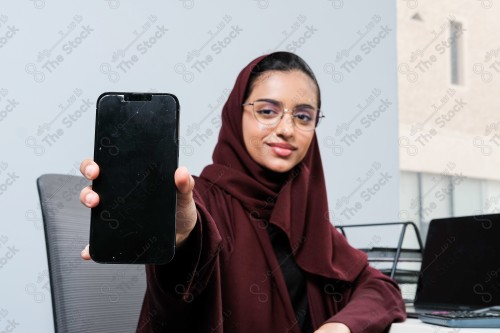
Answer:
(137, 97)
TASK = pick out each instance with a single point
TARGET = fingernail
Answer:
(88, 170)
(85, 250)
(89, 197)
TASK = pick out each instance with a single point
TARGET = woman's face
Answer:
(282, 146)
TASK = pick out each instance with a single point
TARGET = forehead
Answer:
(287, 87)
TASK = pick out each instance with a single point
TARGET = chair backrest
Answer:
(86, 296)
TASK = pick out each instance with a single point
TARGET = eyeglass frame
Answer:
(320, 114)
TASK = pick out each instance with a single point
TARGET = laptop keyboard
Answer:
(487, 317)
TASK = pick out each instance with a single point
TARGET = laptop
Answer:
(460, 268)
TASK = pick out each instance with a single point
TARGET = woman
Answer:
(256, 251)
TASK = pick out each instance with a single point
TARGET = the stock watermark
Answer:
(50, 59)
(113, 4)
(34, 215)
(443, 112)
(8, 179)
(262, 4)
(40, 289)
(490, 66)
(295, 37)
(489, 141)
(7, 31)
(258, 289)
(49, 133)
(8, 104)
(337, 4)
(122, 282)
(441, 187)
(366, 113)
(368, 186)
(485, 4)
(444, 102)
(124, 59)
(38, 4)
(187, 4)
(7, 324)
(411, 4)
(200, 58)
(199, 132)
(423, 59)
(7, 251)
(368, 39)
(491, 205)
(225, 314)
(444, 248)
(488, 286)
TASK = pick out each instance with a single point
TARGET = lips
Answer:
(282, 149)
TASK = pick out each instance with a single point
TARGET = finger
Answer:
(88, 197)
(89, 169)
(85, 253)
(183, 181)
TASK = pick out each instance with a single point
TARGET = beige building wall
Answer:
(444, 127)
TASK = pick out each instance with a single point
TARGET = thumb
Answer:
(185, 184)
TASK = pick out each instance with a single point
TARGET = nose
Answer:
(285, 126)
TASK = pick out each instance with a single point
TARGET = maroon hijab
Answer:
(295, 201)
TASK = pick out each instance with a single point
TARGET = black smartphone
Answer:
(136, 148)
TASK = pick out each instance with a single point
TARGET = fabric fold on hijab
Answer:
(295, 201)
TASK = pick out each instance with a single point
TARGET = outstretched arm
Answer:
(374, 304)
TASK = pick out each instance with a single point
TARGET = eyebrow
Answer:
(278, 103)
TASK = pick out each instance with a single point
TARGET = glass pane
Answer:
(491, 197)
(436, 199)
(410, 204)
(467, 196)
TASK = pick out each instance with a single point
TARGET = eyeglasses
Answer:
(270, 113)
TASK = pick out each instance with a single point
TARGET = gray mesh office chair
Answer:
(86, 296)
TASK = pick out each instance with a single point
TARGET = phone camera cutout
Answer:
(137, 97)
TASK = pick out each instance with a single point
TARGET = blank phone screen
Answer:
(137, 151)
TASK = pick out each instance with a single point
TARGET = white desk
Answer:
(416, 326)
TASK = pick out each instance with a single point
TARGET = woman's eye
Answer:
(267, 112)
(303, 116)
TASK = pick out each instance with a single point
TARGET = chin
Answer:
(279, 166)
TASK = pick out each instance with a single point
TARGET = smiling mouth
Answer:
(282, 149)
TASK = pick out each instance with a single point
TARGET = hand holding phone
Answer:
(186, 214)
(136, 148)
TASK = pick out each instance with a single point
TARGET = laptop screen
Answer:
(461, 263)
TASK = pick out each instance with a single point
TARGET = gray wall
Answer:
(56, 57)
